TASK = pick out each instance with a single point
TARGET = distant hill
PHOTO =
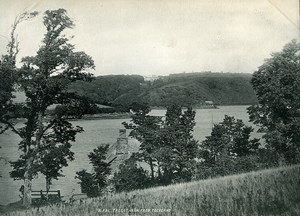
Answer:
(185, 89)
(196, 88)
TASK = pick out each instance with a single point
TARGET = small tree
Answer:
(227, 149)
(130, 177)
(166, 145)
(87, 183)
(277, 86)
(56, 157)
(177, 147)
(230, 137)
(144, 128)
(94, 183)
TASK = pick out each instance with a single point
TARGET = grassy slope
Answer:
(267, 192)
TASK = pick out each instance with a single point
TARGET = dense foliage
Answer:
(145, 128)
(172, 154)
(177, 148)
(230, 137)
(277, 86)
(130, 177)
(228, 150)
(111, 90)
(167, 145)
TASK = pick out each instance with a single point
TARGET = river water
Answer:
(97, 132)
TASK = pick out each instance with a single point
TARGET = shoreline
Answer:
(194, 107)
(127, 115)
(105, 116)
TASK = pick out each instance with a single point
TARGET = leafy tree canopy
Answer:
(167, 145)
(130, 177)
(178, 148)
(230, 138)
(277, 86)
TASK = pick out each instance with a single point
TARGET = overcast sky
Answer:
(159, 37)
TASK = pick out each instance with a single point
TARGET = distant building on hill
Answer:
(209, 103)
(103, 106)
(151, 78)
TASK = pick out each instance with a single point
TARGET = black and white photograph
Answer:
(150, 107)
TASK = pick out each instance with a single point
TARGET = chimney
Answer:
(122, 143)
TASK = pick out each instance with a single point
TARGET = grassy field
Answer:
(267, 192)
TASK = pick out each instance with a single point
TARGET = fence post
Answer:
(58, 192)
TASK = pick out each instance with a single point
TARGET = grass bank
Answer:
(267, 192)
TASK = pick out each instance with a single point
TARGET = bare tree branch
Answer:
(11, 126)
(3, 129)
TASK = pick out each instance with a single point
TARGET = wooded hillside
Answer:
(184, 89)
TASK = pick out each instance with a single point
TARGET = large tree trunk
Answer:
(27, 184)
(48, 183)
(158, 171)
(151, 168)
(27, 201)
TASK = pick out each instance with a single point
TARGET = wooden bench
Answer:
(39, 197)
